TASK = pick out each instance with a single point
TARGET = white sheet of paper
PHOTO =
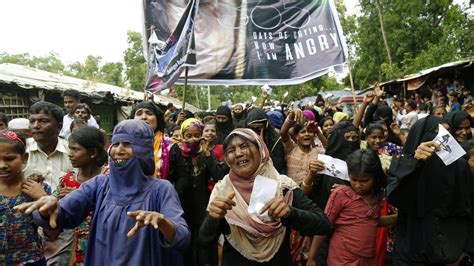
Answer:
(334, 167)
(264, 190)
(450, 148)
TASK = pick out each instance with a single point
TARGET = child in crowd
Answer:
(191, 169)
(375, 141)
(87, 155)
(354, 213)
(137, 219)
(209, 134)
(20, 243)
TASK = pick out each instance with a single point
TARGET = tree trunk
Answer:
(379, 9)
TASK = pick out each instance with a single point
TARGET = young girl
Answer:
(354, 213)
(375, 140)
(138, 219)
(87, 155)
(209, 134)
(299, 157)
(20, 243)
(191, 169)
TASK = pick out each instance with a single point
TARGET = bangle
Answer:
(303, 184)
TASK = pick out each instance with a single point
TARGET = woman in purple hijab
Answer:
(137, 219)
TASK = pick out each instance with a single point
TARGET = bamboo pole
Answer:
(185, 87)
(356, 107)
(382, 28)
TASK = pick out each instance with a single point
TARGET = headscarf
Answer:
(455, 119)
(240, 115)
(253, 238)
(272, 138)
(190, 148)
(161, 143)
(160, 118)
(424, 190)
(338, 146)
(385, 113)
(308, 114)
(339, 116)
(257, 115)
(132, 176)
(276, 119)
(224, 128)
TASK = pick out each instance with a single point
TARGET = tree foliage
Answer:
(421, 34)
(135, 65)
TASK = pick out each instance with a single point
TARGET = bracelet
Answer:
(306, 185)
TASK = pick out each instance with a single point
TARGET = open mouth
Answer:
(120, 161)
(242, 162)
(4, 174)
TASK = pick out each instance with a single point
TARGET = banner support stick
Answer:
(185, 87)
(356, 107)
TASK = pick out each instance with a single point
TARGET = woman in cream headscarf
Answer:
(249, 239)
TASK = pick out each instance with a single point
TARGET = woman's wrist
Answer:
(304, 184)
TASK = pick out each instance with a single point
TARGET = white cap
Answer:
(19, 123)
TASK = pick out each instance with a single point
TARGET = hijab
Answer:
(161, 143)
(436, 187)
(455, 119)
(257, 115)
(224, 128)
(155, 109)
(308, 114)
(433, 199)
(133, 175)
(385, 113)
(276, 119)
(253, 238)
(190, 148)
(338, 146)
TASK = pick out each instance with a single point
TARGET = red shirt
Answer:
(355, 219)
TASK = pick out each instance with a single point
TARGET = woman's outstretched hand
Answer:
(144, 218)
(47, 206)
(220, 205)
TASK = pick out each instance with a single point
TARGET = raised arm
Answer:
(368, 98)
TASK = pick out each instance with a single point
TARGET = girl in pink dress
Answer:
(354, 213)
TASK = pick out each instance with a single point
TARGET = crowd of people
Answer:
(175, 188)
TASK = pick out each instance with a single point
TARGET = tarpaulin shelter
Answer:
(462, 68)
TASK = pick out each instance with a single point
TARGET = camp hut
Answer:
(21, 86)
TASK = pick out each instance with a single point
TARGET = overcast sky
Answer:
(73, 29)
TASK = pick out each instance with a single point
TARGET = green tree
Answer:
(51, 62)
(135, 64)
(420, 34)
(111, 73)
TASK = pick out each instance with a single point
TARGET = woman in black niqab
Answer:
(338, 146)
(271, 137)
(434, 201)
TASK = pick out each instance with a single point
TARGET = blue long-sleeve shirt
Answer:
(107, 242)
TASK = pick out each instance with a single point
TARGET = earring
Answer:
(92, 156)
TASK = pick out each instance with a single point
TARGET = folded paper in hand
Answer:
(264, 190)
(334, 167)
(450, 148)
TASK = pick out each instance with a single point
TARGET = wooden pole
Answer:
(382, 28)
(352, 85)
(185, 87)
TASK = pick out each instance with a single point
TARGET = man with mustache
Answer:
(48, 156)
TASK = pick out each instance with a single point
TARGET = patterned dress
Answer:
(19, 240)
(82, 231)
